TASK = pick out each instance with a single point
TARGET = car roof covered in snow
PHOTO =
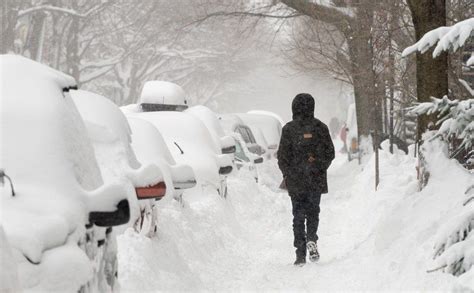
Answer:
(269, 126)
(229, 122)
(36, 112)
(162, 92)
(268, 113)
(209, 118)
(101, 111)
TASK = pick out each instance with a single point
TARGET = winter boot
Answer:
(300, 261)
(313, 251)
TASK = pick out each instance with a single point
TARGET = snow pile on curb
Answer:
(369, 240)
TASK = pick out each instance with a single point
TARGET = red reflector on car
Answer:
(155, 191)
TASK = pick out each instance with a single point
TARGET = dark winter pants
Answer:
(305, 207)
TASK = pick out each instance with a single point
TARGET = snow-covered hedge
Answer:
(456, 119)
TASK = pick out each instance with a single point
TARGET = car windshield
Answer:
(244, 132)
(250, 134)
(162, 107)
(239, 152)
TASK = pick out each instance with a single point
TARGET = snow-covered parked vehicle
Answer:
(210, 119)
(57, 213)
(186, 136)
(267, 126)
(150, 148)
(243, 158)
(231, 123)
(110, 134)
(190, 143)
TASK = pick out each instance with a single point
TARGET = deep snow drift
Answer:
(368, 240)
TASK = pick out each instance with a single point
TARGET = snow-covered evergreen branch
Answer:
(444, 38)
(456, 118)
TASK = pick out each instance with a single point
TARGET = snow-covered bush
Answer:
(453, 250)
(454, 246)
(456, 121)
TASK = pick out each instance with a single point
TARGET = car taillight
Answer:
(354, 144)
(155, 191)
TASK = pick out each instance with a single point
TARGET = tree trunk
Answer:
(35, 40)
(9, 17)
(431, 73)
(72, 50)
(364, 80)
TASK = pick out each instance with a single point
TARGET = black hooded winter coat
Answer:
(306, 150)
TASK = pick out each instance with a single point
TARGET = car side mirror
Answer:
(225, 170)
(228, 145)
(114, 218)
(229, 150)
(258, 160)
(156, 191)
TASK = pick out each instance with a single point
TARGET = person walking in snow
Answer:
(305, 153)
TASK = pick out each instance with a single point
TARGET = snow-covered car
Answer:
(57, 213)
(160, 95)
(352, 143)
(150, 148)
(209, 118)
(268, 113)
(190, 143)
(110, 134)
(243, 158)
(269, 127)
(231, 124)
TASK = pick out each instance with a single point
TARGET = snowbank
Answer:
(369, 240)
